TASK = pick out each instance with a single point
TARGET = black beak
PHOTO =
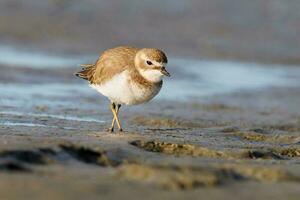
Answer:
(165, 72)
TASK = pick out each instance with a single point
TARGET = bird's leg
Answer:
(115, 111)
(117, 117)
(114, 119)
(112, 107)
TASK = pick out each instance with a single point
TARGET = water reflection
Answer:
(15, 57)
(220, 77)
(190, 78)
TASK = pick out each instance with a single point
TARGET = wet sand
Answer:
(242, 143)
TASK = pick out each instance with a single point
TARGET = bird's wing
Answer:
(112, 62)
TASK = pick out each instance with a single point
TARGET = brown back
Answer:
(111, 62)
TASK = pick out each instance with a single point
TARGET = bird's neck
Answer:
(142, 81)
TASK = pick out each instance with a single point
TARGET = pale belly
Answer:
(121, 90)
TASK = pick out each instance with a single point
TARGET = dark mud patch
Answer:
(261, 131)
(22, 160)
(26, 156)
(166, 122)
(265, 137)
(273, 153)
(289, 152)
(184, 178)
(197, 151)
(179, 149)
(13, 166)
(262, 154)
(89, 156)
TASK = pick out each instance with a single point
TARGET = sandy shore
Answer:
(239, 145)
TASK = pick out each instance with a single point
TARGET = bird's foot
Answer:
(120, 130)
(111, 130)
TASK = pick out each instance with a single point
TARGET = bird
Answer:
(126, 76)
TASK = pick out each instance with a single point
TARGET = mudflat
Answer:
(239, 144)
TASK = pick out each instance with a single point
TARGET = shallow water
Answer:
(190, 79)
(222, 77)
(25, 124)
(7, 123)
(16, 57)
(204, 78)
(64, 117)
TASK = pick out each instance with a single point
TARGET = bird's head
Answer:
(151, 64)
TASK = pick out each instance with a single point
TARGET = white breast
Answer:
(119, 89)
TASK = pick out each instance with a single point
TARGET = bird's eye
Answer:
(149, 62)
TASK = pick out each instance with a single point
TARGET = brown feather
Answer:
(116, 60)
(112, 62)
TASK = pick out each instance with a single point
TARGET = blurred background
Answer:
(215, 47)
(258, 30)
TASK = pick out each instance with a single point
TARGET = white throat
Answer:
(152, 75)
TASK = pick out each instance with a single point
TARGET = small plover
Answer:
(126, 76)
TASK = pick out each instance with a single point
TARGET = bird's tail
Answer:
(86, 71)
